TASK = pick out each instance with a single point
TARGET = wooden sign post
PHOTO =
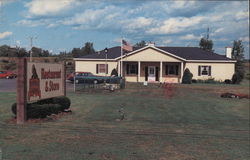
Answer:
(37, 81)
(21, 91)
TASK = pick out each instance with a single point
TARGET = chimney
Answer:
(151, 44)
(229, 52)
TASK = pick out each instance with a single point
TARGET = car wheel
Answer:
(7, 77)
(95, 81)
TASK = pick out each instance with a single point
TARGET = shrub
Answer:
(236, 79)
(114, 72)
(187, 77)
(46, 107)
(194, 81)
(228, 81)
(248, 76)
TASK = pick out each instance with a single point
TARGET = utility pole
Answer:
(31, 45)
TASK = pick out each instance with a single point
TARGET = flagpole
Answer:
(121, 60)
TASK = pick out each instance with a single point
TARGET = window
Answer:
(132, 68)
(172, 69)
(151, 70)
(101, 68)
(204, 70)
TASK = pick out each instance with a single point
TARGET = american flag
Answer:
(126, 46)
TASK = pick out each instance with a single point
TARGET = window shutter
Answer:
(199, 70)
(146, 73)
(166, 70)
(107, 69)
(177, 70)
(96, 68)
(127, 69)
(209, 70)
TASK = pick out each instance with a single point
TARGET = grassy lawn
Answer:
(192, 123)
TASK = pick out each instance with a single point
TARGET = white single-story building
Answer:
(158, 64)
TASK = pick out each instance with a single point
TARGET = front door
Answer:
(151, 73)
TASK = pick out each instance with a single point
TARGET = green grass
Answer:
(193, 124)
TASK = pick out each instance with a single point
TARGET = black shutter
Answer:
(96, 68)
(146, 73)
(156, 74)
(107, 69)
(166, 70)
(209, 70)
(127, 69)
(177, 70)
(199, 70)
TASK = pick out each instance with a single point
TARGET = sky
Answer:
(61, 25)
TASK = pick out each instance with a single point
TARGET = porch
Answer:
(152, 72)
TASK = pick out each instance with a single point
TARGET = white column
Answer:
(139, 71)
(119, 68)
(161, 71)
(181, 72)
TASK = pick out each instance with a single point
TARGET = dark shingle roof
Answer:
(188, 53)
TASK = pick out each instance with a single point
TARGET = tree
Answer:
(114, 72)
(140, 44)
(187, 77)
(88, 49)
(238, 55)
(76, 52)
(206, 44)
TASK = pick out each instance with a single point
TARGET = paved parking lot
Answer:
(9, 85)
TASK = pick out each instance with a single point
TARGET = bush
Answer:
(114, 72)
(209, 80)
(228, 81)
(248, 76)
(194, 81)
(46, 107)
(187, 77)
(236, 79)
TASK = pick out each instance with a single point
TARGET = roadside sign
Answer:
(37, 81)
(44, 80)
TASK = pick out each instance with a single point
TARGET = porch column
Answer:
(139, 71)
(119, 67)
(181, 72)
(161, 71)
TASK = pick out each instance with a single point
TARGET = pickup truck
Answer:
(87, 77)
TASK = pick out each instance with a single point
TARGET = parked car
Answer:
(87, 77)
(7, 74)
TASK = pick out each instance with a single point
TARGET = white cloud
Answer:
(134, 24)
(175, 25)
(190, 37)
(47, 7)
(242, 15)
(91, 16)
(182, 4)
(5, 34)
(166, 42)
(244, 39)
(32, 23)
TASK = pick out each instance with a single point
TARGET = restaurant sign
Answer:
(44, 80)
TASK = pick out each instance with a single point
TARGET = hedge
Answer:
(46, 107)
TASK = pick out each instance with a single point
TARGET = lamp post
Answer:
(106, 56)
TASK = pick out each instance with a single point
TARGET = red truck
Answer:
(7, 74)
